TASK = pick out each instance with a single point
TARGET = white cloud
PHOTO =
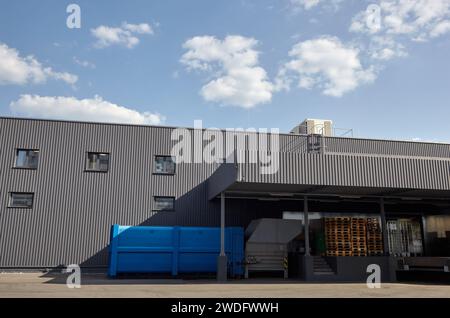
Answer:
(71, 108)
(18, 70)
(385, 48)
(440, 29)
(401, 21)
(233, 62)
(83, 63)
(310, 4)
(416, 19)
(325, 63)
(125, 35)
(142, 28)
(305, 4)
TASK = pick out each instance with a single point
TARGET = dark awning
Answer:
(338, 175)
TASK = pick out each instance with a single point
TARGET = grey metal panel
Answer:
(342, 145)
(222, 179)
(386, 147)
(354, 171)
(73, 209)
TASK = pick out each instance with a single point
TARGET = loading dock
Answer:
(399, 245)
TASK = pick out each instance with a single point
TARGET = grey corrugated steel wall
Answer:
(73, 209)
(354, 170)
(385, 147)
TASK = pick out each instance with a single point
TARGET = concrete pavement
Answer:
(97, 285)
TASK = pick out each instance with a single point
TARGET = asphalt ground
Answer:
(46, 285)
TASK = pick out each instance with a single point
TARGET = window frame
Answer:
(26, 149)
(164, 173)
(10, 199)
(155, 197)
(86, 158)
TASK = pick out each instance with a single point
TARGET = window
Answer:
(27, 158)
(21, 200)
(97, 161)
(164, 204)
(164, 165)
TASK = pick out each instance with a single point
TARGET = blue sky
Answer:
(234, 63)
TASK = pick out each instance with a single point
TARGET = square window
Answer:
(97, 161)
(21, 200)
(164, 165)
(163, 203)
(27, 158)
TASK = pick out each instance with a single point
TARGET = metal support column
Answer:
(384, 228)
(222, 258)
(393, 266)
(306, 219)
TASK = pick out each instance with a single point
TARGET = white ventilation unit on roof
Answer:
(314, 126)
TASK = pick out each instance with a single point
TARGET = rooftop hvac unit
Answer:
(314, 126)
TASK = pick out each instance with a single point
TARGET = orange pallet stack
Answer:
(338, 236)
(359, 240)
(374, 237)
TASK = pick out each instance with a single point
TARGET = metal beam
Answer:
(314, 189)
(222, 258)
(222, 224)
(384, 227)
(311, 195)
(306, 218)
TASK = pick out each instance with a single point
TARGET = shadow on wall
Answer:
(194, 209)
(191, 209)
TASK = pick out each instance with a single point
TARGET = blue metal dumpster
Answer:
(157, 249)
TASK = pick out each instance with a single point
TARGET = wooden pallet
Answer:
(339, 253)
(344, 236)
(338, 234)
(338, 218)
(374, 237)
(342, 243)
(334, 248)
(337, 246)
(359, 240)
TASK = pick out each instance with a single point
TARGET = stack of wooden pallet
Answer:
(338, 236)
(359, 241)
(374, 237)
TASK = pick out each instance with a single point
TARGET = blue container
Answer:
(157, 249)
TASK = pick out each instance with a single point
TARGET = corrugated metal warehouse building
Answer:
(63, 184)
